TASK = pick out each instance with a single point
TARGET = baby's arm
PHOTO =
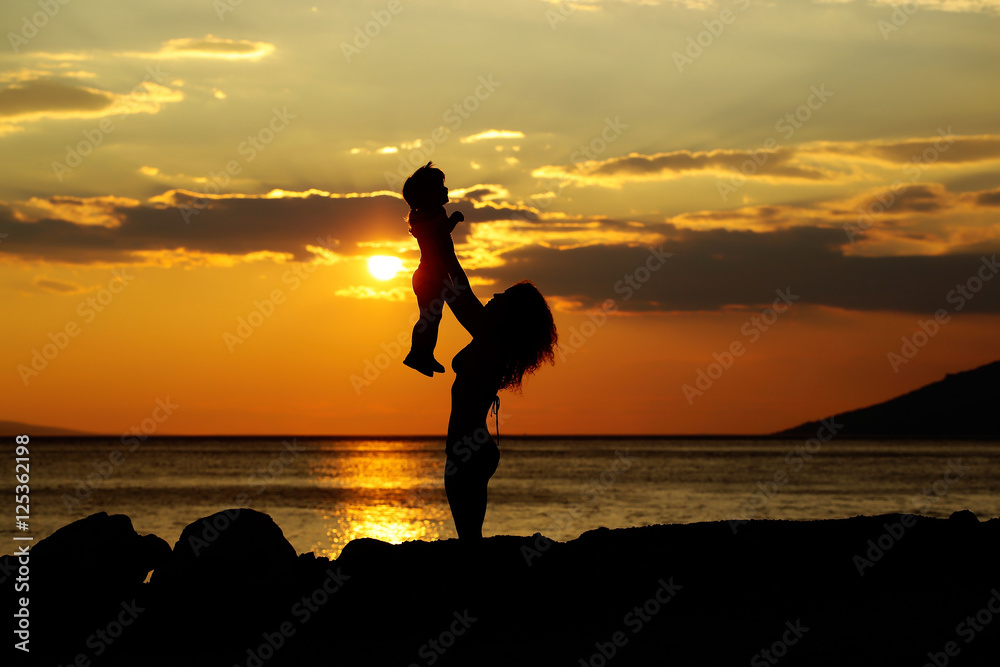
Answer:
(453, 220)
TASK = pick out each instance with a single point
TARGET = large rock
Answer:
(884, 590)
(84, 578)
(234, 536)
(231, 575)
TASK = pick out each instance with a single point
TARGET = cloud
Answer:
(52, 98)
(103, 211)
(912, 198)
(985, 6)
(282, 223)
(920, 218)
(946, 147)
(989, 198)
(480, 192)
(364, 292)
(596, 5)
(813, 161)
(489, 135)
(715, 269)
(385, 150)
(778, 163)
(907, 260)
(214, 47)
(207, 47)
(33, 100)
(58, 286)
(28, 74)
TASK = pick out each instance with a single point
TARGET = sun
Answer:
(384, 267)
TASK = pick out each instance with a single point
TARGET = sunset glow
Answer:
(205, 206)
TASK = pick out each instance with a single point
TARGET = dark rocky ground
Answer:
(885, 590)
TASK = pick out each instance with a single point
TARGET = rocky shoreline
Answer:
(884, 590)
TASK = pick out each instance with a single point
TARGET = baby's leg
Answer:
(425, 331)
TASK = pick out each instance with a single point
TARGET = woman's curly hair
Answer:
(526, 333)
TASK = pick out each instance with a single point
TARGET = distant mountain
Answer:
(8, 429)
(962, 405)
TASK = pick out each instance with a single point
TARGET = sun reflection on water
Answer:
(389, 491)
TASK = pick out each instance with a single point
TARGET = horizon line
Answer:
(523, 436)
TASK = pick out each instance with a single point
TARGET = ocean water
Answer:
(324, 493)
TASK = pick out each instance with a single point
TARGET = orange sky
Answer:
(170, 173)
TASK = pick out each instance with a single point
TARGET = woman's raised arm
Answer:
(468, 310)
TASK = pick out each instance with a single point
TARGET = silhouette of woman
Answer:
(511, 335)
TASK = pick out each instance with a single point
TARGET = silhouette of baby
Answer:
(439, 278)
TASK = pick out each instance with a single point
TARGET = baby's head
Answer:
(425, 188)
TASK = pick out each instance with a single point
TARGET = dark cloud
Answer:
(762, 163)
(41, 95)
(991, 198)
(57, 286)
(943, 148)
(235, 225)
(915, 198)
(708, 269)
(786, 162)
(715, 268)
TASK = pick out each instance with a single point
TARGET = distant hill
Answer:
(962, 405)
(8, 429)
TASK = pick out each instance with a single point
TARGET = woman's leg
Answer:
(465, 483)
(467, 498)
